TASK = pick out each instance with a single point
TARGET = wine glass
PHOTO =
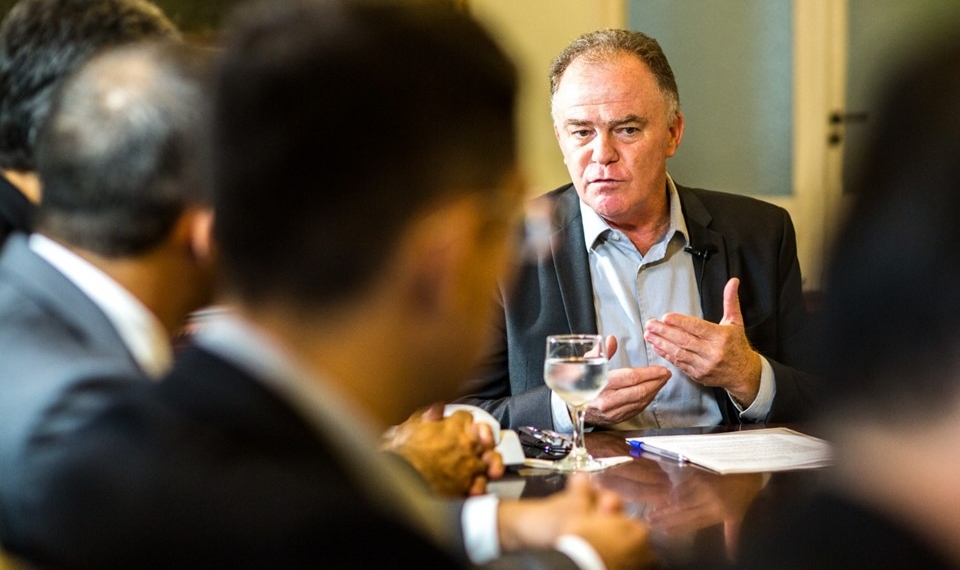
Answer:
(576, 370)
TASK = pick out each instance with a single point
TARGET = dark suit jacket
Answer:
(51, 335)
(209, 469)
(16, 212)
(745, 238)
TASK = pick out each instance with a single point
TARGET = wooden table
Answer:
(695, 516)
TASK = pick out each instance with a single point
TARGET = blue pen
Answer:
(647, 448)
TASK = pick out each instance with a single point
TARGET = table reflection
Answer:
(695, 515)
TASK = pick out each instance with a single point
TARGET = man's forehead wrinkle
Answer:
(609, 122)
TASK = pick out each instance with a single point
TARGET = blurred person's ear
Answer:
(201, 234)
(443, 279)
(438, 248)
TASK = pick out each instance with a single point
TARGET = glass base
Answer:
(578, 460)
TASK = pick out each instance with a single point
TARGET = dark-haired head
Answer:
(336, 124)
(43, 41)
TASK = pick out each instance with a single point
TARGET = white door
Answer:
(779, 95)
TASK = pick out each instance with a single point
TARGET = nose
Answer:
(604, 150)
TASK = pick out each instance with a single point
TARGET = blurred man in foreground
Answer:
(891, 342)
(366, 201)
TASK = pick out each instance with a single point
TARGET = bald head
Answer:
(118, 155)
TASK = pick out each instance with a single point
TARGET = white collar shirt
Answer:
(140, 330)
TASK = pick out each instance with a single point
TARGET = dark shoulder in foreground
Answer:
(175, 475)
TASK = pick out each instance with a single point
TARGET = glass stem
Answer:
(579, 447)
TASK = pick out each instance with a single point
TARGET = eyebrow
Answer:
(640, 121)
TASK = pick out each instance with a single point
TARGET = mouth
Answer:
(603, 181)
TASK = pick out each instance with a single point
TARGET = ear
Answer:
(676, 132)
(201, 235)
(193, 233)
(436, 253)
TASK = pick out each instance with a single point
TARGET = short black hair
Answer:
(120, 155)
(336, 122)
(891, 322)
(43, 41)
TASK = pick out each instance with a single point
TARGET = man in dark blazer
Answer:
(121, 255)
(42, 42)
(701, 290)
(354, 300)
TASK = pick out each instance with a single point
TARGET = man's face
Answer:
(611, 122)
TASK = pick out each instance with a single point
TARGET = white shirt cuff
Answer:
(561, 414)
(580, 551)
(480, 533)
(760, 407)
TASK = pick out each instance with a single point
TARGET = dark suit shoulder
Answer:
(713, 199)
(153, 482)
(753, 225)
(212, 393)
(36, 299)
(51, 336)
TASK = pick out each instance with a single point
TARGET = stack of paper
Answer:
(753, 451)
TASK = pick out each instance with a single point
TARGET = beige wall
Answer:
(534, 32)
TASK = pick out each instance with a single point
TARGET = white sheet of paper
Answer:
(752, 451)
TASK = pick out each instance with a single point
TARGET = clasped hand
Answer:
(454, 454)
(582, 509)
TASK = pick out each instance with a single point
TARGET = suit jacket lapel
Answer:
(46, 286)
(573, 266)
(716, 272)
(715, 269)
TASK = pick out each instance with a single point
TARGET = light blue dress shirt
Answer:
(629, 289)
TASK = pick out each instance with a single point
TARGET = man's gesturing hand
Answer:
(711, 354)
(627, 393)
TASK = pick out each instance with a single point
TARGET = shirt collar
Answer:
(139, 329)
(595, 227)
